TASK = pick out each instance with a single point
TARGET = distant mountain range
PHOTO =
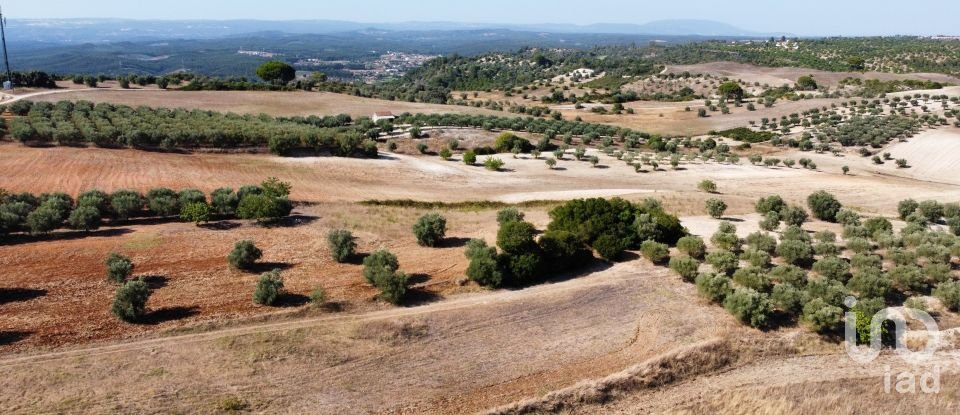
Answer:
(31, 33)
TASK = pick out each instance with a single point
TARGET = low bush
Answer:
(759, 259)
(380, 262)
(749, 306)
(789, 274)
(692, 246)
(509, 214)
(723, 262)
(269, 288)
(716, 207)
(342, 244)
(823, 317)
(949, 295)
(686, 267)
(130, 300)
(119, 268)
(760, 241)
(655, 252)
(714, 287)
(430, 229)
(794, 252)
(753, 278)
(788, 299)
(609, 247)
(244, 255)
(834, 268)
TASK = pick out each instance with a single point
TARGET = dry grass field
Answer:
(620, 338)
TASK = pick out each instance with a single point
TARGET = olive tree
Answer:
(716, 207)
(824, 206)
(342, 244)
(430, 229)
(119, 267)
(244, 255)
(130, 300)
(269, 288)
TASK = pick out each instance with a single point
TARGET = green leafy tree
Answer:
(430, 229)
(608, 246)
(510, 214)
(483, 268)
(469, 157)
(263, 207)
(244, 255)
(84, 218)
(685, 267)
(715, 287)
(731, 90)
(119, 268)
(822, 316)
(276, 72)
(130, 300)
(655, 252)
(949, 295)
(716, 207)
(342, 244)
(707, 186)
(197, 212)
(224, 201)
(806, 83)
(824, 206)
(44, 219)
(378, 263)
(125, 204)
(749, 306)
(692, 246)
(269, 288)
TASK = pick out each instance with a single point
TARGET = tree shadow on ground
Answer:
(16, 295)
(738, 220)
(453, 242)
(170, 314)
(292, 300)
(589, 267)
(261, 267)
(628, 256)
(414, 279)
(11, 337)
(224, 225)
(155, 281)
(62, 236)
(417, 296)
(292, 221)
(357, 258)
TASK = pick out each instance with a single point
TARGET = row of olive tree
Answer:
(26, 212)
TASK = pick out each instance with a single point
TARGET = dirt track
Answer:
(450, 357)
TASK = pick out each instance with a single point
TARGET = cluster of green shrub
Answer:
(109, 125)
(577, 229)
(812, 280)
(44, 213)
(871, 88)
(747, 135)
(33, 79)
(549, 127)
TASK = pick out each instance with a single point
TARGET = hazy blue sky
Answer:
(813, 17)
